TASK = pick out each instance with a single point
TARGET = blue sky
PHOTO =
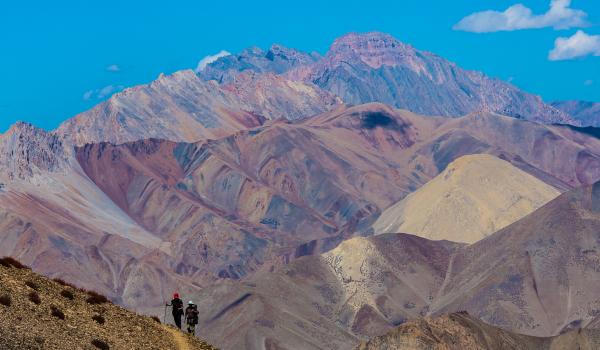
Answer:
(59, 58)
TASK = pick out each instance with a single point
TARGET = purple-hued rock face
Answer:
(183, 107)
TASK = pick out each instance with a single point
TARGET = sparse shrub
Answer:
(95, 298)
(63, 283)
(56, 312)
(7, 261)
(99, 318)
(34, 297)
(155, 318)
(67, 294)
(5, 300)
(100, 344)
(31, 285)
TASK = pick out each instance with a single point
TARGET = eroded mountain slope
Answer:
(537, 276)
(362, 288)
(182, 107)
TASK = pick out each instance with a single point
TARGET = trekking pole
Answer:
(165, 315)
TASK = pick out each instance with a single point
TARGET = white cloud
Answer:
(88, 94)
(210, 59)
(100, 94)
(113, 68)
(519, 16)
(578, 45)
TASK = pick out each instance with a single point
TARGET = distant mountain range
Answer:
(376, 67)
(242, 91)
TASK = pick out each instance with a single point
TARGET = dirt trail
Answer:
(180, 339)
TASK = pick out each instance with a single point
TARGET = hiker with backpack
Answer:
(177, 309)
(191, 317)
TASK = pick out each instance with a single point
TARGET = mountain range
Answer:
(279, 188)
(538, 276)
(265, 195)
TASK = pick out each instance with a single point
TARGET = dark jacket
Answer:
(177, 305)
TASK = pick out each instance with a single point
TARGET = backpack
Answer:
(192, 315)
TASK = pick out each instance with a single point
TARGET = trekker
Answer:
(177, 309)
(191, 317)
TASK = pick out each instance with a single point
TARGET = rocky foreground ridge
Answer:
(39, 313)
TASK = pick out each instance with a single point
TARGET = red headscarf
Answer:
(175, 295)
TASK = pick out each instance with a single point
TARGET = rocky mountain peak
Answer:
(374, 49)
(368, 42)
(277, 59)
(295, 57)
(26, 149)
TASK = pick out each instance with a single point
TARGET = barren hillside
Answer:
(38, 313)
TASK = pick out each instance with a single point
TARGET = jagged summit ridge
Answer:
(27, 150)
(376, 50)
(277, 59)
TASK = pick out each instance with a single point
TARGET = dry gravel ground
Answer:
(27, 325)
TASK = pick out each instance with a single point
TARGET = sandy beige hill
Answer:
(472, 198)
(38, 313)
(460, 331)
